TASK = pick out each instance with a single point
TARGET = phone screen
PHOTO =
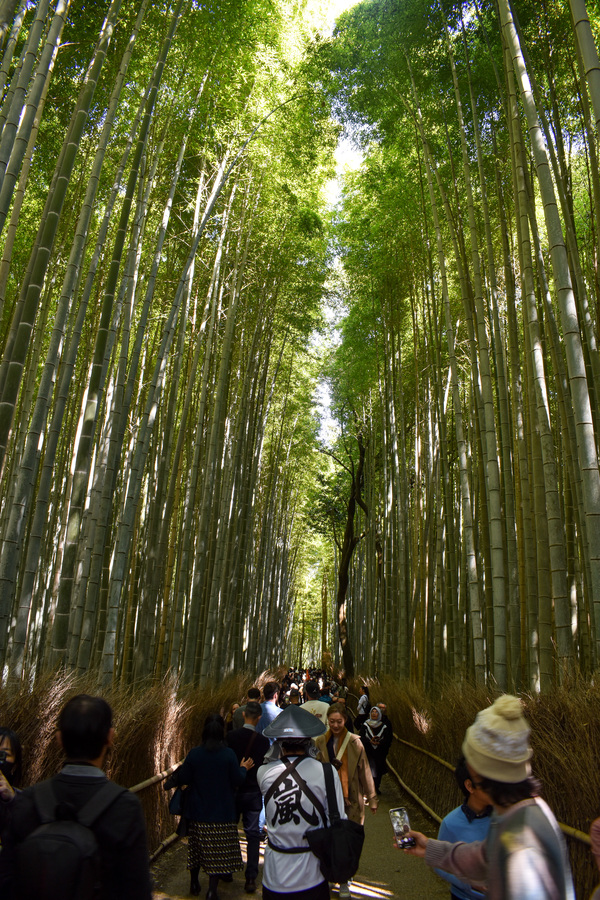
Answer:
(401, 826)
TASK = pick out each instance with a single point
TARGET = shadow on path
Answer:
(384, 871)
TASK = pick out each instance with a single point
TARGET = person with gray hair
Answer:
(524, 856)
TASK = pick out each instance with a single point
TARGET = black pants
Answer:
(319, 892)
(249, 805)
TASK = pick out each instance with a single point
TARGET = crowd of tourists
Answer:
(79, 835)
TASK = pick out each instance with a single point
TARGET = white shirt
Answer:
(318, 708)
(364, 705)
(289, 814)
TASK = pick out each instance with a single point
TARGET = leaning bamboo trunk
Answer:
(40, 257)
(48, 231)
(26, 124)
(490, 444)
(7, 11)
(589, 53)
(586, 446)
(472, 568)
(16, 96)
(124, 538)
(555, 524)
(100, 362)
(186, 619)
(31, 457)
(213, 480)
(14, 19)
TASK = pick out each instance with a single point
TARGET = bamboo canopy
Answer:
(177, 292)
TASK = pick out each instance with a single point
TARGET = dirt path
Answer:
(384, 872)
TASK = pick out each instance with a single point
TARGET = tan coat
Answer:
(360, 780)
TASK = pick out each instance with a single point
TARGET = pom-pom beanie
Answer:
(497, 743)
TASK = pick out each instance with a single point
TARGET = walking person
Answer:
(312, 704)
(11, 766)
(364, 704)
(229, 726)
(349, 720)
(238, 716)
(293, 787)
(86, 735)
(212, 773)
(347, 754)
(270, 709)
(247, 743)
(468, 822)
(377, 740)
(524, 856)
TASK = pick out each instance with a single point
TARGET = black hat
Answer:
(294, 722)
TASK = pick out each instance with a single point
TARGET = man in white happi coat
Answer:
(295, 796)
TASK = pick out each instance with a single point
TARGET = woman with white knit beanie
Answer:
(524, 856)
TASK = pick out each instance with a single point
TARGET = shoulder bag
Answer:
(337, 846)
(177, 808)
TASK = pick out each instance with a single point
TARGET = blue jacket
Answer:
(212, 777)
(458, 826)
(270, 711)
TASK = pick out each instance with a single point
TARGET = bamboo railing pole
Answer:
(154, 779)
(566, 829)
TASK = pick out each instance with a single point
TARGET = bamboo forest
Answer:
(253, 411)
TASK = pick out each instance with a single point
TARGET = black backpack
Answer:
(60, 860)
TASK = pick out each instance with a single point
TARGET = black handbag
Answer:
(177, 808)
(337, 846)
(176, 802)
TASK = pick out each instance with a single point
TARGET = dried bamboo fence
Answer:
(158, 779)
(437, 794)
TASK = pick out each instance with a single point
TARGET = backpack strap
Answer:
(332, 806)
(99, 803)
(311, 796)
(342, 749)
(46, 801)
(281, 777)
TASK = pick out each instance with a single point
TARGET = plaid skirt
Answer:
(214, 847)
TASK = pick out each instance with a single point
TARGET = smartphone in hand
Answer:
(401, 826)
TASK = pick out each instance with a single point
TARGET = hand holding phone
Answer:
(401, 826)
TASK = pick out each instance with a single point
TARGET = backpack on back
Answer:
(60, 860)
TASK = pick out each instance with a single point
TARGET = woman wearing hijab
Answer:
(346, 752)
(376, 736)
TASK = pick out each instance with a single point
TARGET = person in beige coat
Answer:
(346, 752)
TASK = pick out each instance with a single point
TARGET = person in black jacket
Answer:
(11, 756)
(212, 774)
(246, 742)
(85, 733)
